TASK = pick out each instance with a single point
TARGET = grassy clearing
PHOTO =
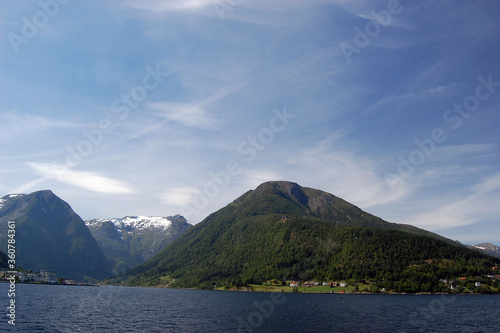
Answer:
(313, 289)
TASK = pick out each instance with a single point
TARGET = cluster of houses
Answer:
(454, 284)
(315, 284)
(40, 277)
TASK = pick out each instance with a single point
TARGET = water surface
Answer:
(45, 308)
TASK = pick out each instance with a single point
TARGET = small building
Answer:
(462, 278)
(478, 284)
(294, 284)
(343, 284)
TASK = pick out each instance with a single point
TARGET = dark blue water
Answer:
(44, 308)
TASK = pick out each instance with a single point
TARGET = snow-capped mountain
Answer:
(6, 199)
(131, 240)
(135, 223)
(487, 248)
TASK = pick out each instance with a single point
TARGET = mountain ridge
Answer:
(131, 240)
(488, 248)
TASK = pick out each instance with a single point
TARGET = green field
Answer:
(304, 289)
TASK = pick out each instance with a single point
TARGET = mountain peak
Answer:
(129, 241)
(51, 236)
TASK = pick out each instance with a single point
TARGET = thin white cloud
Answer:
(180, 196)
(160, 6)
(482, 204)
(453, 151)
(192, 114)
(254, 178)
(27, 124)
(87, 180)
(488, 185)
(346, 174)
(185, 114)
(24, 188)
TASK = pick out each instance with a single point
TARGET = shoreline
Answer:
(272, 291)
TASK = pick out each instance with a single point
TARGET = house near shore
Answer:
(294, 284)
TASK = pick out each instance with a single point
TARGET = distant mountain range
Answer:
(51, 236)
(278, 231)
(131, 240)
(284, 231)
(487, 248)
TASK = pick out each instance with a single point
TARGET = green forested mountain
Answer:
(286, 232)
(51, 236)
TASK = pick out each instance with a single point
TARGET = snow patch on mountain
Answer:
(6, 198)
(140, 222)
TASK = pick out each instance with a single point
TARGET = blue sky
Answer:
(167, 107)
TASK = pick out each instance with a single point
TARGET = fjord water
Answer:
(45, 308)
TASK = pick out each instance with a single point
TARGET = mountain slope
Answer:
(129, 241)
(283, 231)
(3, 260)
(51, 236)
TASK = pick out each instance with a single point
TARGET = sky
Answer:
(159, 108)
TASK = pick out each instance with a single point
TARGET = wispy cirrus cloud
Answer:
(13, 123)
(192, 114)
(345, 173)
(189, 115)
(91, 181)
(480, 205)
(159, 6)
(179, 196)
